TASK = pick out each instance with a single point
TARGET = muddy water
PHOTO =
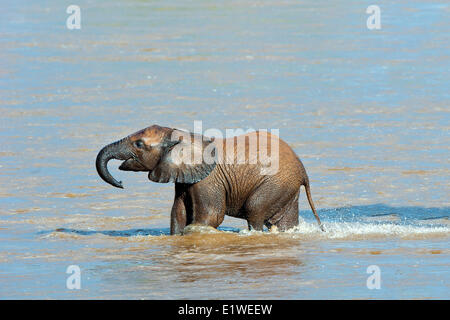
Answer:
(367, 111)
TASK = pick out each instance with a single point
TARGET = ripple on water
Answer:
(382, 229)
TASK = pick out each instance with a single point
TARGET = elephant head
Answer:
(169, 155)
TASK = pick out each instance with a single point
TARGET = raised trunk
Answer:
(117, 150)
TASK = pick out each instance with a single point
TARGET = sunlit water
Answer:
(366, 111)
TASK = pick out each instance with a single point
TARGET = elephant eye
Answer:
(139, 144)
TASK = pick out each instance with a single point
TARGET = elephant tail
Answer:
(311, 203)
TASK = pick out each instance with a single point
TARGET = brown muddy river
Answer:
(367, 111)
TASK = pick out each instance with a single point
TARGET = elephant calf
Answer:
(219, 180)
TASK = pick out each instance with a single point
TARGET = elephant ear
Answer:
(186, 158)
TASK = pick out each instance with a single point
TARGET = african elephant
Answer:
(224, 183)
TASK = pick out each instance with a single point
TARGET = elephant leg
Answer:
(287, 217)
(207, 208)
(257, 224)
(208, 215)
(278, 209)
(178, 215)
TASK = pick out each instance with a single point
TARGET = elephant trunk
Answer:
(117, 150)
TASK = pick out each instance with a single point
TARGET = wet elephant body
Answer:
(226, 178)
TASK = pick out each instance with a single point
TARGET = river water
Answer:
(366, 110)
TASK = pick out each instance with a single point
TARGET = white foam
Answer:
(360, 230)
